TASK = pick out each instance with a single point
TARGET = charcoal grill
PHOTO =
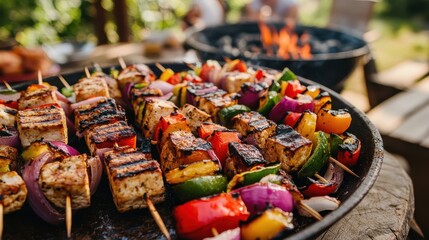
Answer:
(335, 53)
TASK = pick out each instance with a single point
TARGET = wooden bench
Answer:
(385, 84)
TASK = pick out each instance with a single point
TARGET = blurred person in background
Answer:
(204, 13)
(272, 10)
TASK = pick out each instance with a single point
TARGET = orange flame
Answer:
(285, 43)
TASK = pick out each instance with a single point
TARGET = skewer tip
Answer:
(344, 167)
(68, 216)
(64, 81)
(310, 211)
(320, 178)
(1, 220)
(122, 63)
(39, 77)
(87, 73)
(157, 218)
(160, 67)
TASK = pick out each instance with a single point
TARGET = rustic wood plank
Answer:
(389, 115)
(404, 74)
(415, 128)
(385, 213)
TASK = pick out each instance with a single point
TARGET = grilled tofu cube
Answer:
(195, 117)
(132, 177)
(13, 191)
(183, 148)
(138, 96)
(254, 126)
(168, 124)
(68, 177)
(212, 103)
(288, 147)
(47, 123)
(193, 170)
(7, 115)
(106, 136)
(8, 156)
(99, 113)
(87, 88)
(136, 73)
(112, 84)
(37, 95)
(150, 112)
(234, 80)
(241, 158)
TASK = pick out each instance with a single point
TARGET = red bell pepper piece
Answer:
(259, 74)
(192, 77)
(349, 150)
(207, 129)
(175, 79)
(240, 66)
(205, 72)
(166, 125)
(220, 141)
(292, 118)
(334, 175)
(294, 88)
(196, 219)
(129, 141)
(11, 104)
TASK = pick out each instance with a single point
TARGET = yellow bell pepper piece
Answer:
(167, 74)
(34, 150)
(267, 225)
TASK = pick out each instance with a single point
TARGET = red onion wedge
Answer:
(126, 91)
(9, 136)
(66, 107)
(36, 198)
(87, 101)
(164, 86)
(65, 148)
(259, 196)
(96, 169)
(334, 175)
(287, 104)
(232, 234)
(70, 126)
(322, 203)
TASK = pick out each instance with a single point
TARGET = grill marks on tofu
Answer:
(183, 148)
(151, 113)
(87, 88)
(103, 112)
(37, 95)
(195, 117)
(254, 125)
(212, 103)
(68, 177)
(132, 177)
(288, 147)
(241, 158)
(13, 191)
(7, 115)
(138, 96)
(105, 136)
(47, 122)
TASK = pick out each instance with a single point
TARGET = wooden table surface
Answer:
(385, 213)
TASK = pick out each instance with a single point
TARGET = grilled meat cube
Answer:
(47, 122)
(102, 112)
(87, 88)
(105, 136)
(136, 73)
(68, 177)
(112, 84)
(241, 158)
(37, 95)
(255, 127)
(212, 103)
(150, 112)
(13, 191)
(288, 147)
(132, 177)
(195, 117)
(8, 156)
(193, 170)
(183, 148)
(7, 115)
(234, 80)
(139, 95)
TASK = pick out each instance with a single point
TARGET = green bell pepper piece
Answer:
(253, 176)
(318, 158)
(334, 142)
(273, 99)
(7, 92)
(227, 113)
(67, 92)
(287, 75)
(140, 85)
(200, 187)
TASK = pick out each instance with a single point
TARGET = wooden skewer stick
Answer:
(68, 216)
(7, 86)
(320, 178)
(310, 210)
(39, 77)
(1, 220)
(87, 73)
(215, 232)
(190, 65)
(157, 218)
(122, 63)
(227, 59)
(64, 82)
(160, 67)
(344, 167)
